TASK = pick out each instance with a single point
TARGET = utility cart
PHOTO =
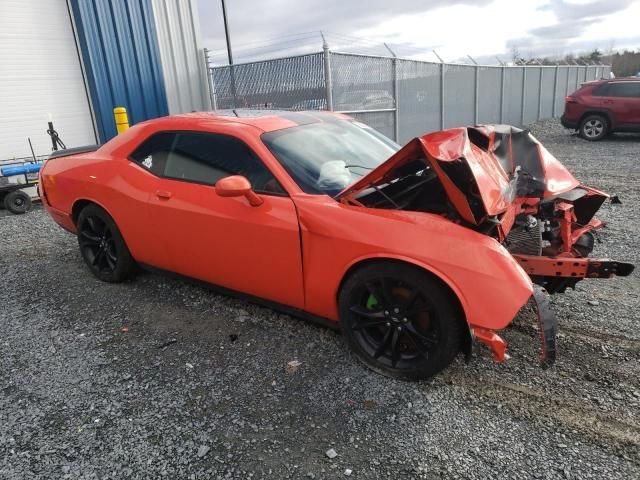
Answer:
(18, 183)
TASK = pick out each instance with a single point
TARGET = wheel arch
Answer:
(80, 204)
(453, 292)
(604, 113)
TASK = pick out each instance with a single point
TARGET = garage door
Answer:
(40, 78)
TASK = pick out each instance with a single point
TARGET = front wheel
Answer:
(399, 320)
(102, 246)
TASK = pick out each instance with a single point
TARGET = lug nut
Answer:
(386, 312)
(396, 310)
(405, 320)
(388, 324)
(399, 329)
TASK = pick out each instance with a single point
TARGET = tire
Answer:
(17, 202)
(399, 320)
(594, 127)
(102, 246)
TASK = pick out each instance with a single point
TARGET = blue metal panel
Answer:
(121, 57)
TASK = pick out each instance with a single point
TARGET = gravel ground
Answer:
(197, 386)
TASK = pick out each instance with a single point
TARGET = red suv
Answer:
(602, 107)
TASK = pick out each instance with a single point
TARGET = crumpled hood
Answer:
(483, 168)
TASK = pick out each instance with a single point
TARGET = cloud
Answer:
(568, 11)
(251, 21)
(455, 28)
(564, 30)
(573, 20)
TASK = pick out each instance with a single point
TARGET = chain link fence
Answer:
(401, 98)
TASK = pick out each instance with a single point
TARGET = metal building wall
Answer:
(121, 60)
(41, 79)
(181, 54)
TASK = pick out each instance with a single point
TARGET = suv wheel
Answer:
(594, 127)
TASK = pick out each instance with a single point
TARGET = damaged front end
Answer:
(500, 181)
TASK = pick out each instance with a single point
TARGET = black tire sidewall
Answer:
(449, 321)
(604, 133)
(10, 198)
(124, 264)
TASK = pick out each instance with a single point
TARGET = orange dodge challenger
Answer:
(413, 252)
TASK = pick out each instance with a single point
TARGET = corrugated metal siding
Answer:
(182, 56)
(121, 58)
(41, 75)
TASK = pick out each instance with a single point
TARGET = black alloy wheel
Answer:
(399, 320)
(102, 246)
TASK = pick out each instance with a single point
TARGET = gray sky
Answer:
(455, 28)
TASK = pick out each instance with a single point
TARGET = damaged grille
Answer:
(525, 240)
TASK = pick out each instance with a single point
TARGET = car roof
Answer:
(265, 120)
(623, 79)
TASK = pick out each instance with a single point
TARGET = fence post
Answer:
(475, 94)
(555, 93)
(566, 92)
(210, 80)
(540, 93)
(502, 81)
(327, 75)
(396, 115)
(524, 94)
(441, 96)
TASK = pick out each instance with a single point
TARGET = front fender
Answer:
(491, 287)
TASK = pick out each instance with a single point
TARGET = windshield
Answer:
(326, 157)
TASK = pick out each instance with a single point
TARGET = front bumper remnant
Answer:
(492, 340)
(547, 326)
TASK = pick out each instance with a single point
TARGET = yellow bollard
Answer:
(122, 120)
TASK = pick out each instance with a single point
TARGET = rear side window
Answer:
(204, 158)
(153, 152)
(620, 89)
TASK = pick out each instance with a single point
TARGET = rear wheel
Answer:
(594, 127)
(399, 320)
(17, 202)
(102, 246)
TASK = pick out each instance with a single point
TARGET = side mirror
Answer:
(238, 186)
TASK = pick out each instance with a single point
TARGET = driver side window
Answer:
(204, 158)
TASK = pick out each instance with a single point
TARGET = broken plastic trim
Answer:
(547, 326)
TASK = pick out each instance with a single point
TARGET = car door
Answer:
(632, 95)
(622, 100)
(224, 241)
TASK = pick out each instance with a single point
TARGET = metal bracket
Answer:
(608, 268)
(573, 267)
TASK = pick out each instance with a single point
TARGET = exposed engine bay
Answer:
(500, 181)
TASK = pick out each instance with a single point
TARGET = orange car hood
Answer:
(481, 162)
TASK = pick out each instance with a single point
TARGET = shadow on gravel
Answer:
(612, 138)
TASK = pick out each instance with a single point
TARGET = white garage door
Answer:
(40, 76)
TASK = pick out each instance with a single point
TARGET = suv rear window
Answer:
(618, 89)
